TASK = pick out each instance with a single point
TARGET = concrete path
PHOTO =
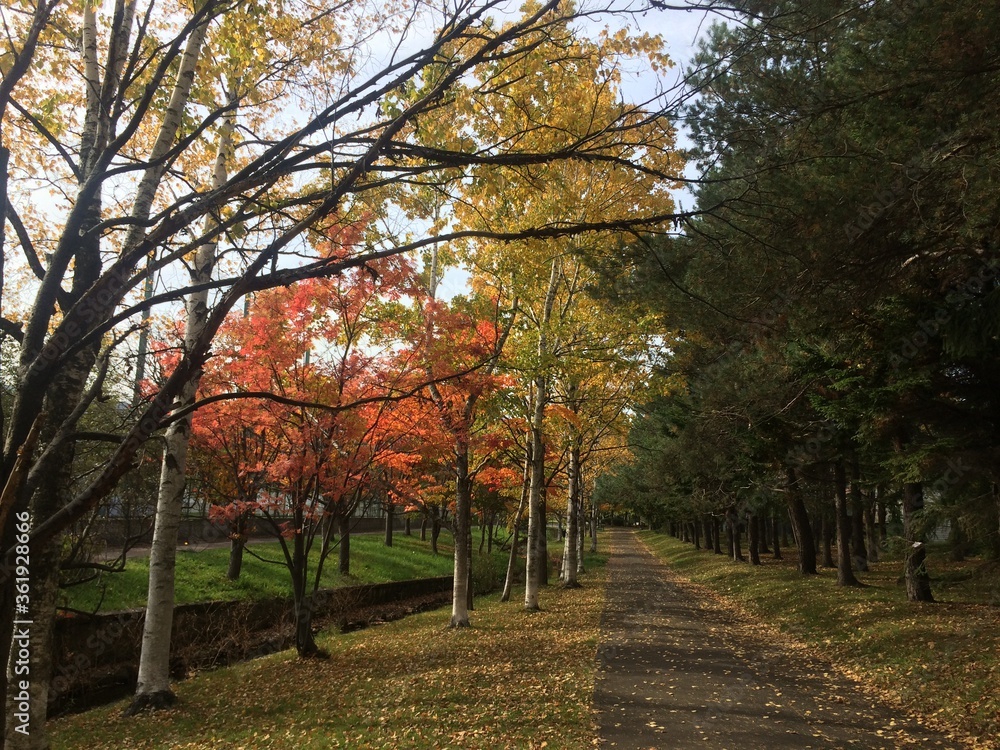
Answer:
(678, 671)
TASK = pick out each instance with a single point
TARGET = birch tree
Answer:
(153, 686)
(451, 338)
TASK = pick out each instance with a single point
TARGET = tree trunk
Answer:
(733, 530)
(536, 567)
(753, 528)
(32, 625)
(302, 600)
(918, 581)
(543, 567)
(871, 530)
(696, 534)
(508, 582)
(776, 536)
(845, 571)
(570, 548)
(463, 539)
(153, 685)
(406, 525)
(470, 590)
(435, 534)
(716, 536)
(957, 542)
(883, 530)
(993, 550)
(49, 482)
(305, 643)
(763, 532)
(544, 561)
(515, 540)
(390, 519)
(801, 527)
(857, 504)
(536, 513)
(236, 546)
(423, 528)
(344, 546)
(827, 531)
(593, 529)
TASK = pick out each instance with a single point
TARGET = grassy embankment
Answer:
(940, 661)
(513, 679)
(201, 575)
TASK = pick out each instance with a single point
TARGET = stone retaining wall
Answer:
(97, 657)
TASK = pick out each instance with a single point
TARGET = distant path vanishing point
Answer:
(678, 671)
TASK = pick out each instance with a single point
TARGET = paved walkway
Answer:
(678, 671)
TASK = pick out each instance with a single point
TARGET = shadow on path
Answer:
(676, 670)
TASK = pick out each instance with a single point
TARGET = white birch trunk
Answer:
(153, 686)
(581, 526)
(463, 517)
(166, 136)
(515, 539)
(593, 527)
(536, 521)
(571, 549)
(536, 515)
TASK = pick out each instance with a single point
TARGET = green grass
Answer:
(941, 660)
(201, 575)
(512, 680)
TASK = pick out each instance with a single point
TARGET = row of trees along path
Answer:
(678, 670)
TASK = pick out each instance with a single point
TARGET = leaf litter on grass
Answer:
(514, 679)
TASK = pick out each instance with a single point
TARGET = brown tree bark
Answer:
(801, 527)
(390, 519)
(753, 529)
(763, 533)
(871, 529)
(845, 570)
(882, 516)
(435, 533)
(918, 581)
(344, 547)
(236, 545)
(733, 527)
(827, 530)
(857, 505)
